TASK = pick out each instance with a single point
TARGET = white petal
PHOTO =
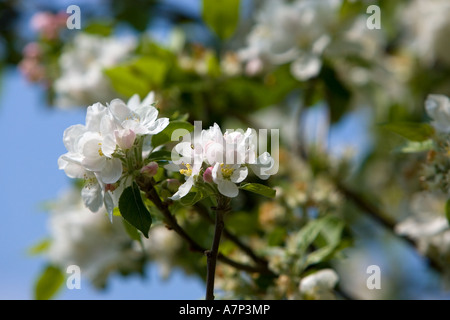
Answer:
(72, 135)
(72, 169)
(112, 171)
(94, 115)
(438, 108)
(92, 197)
(149, 99)
(306, 66)
(108, 145)
(134, 125)
(239, 174)
(109, 205)
(183, 189)
(217, 173)
(119, 110)
(184, 149)
(134, 102)
(228, 188)
(172, 167)
(263, 166)
(147, 116)
(108, 125)
(158, 126)
(92, 159)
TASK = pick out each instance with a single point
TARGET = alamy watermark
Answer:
(235, 147)
(374, 280)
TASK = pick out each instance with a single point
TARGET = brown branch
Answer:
(203, 212)
(381, 217)
(147, 186)
(222, 208)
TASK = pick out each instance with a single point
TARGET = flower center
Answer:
(188, 171)
(100, 152)
(226, 170)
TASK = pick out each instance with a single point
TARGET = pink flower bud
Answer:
(125, 138)
(150, 169)
(254, 67)
(32, 50)
(207, 175)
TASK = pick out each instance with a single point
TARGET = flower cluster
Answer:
(303, 33)
(82, 80)
(435, 173)
(109, 148)
(219, 159)
(48, 24)
(100, 248)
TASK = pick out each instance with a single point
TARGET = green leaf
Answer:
(276, 237)
(330, 236)
(411, 130)
(49, 283)
(40, 247)
(165, 136)
(152, 70)
(132, 231)
(133, 209)
(306, 236)
(125, 82)
(447, 210)
(160, 155)
(104, 28)
(221, 16)
(414, 146)
(194, 196)
(337, 95)
(259, 189)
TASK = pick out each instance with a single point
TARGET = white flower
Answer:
(426, 219)
(226, 176)
(263, 166)
(438, 108)
(427, 28)
(140, 117)
(191, 173)
(296, 32)
(225, 156)
(319, 285)
(79, 237)
(97, 150)
(82, 80)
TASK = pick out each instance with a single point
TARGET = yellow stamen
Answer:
(226, 171)
(100, 150)
(188, 171)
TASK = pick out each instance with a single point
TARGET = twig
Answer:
(147, 186)
(222, 207)
(382, 218)
(202, 210)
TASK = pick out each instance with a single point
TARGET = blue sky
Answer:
(32, 136)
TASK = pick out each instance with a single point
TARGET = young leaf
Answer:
(49, 283)
(160, 155)
(133, 209)
(414, 146)
(132, 231)
(410, 130)
(222, 16)
(40, 247)
(259, 189)
(166, 135)
(447, 210)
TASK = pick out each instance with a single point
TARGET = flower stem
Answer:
(222, 208)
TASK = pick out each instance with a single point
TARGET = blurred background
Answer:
(318, 73)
